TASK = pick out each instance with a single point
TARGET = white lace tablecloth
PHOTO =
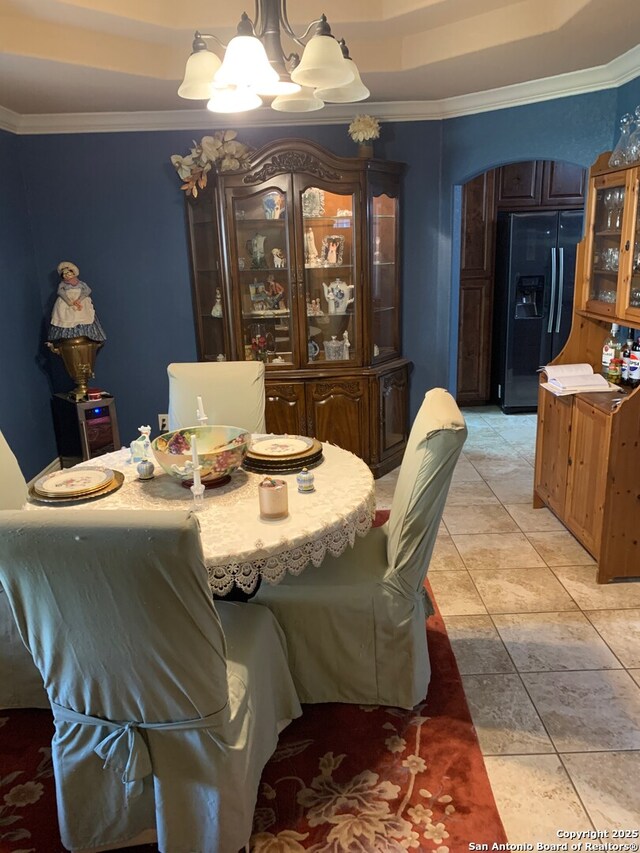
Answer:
(239, 547)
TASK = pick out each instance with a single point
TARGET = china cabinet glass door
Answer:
(606, 255)
(261, 264)
(209, 301)
(384, 276)
(330, 276)
(632, 295)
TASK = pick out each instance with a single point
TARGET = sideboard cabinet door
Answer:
(338, 411)
(285, 408)
(552, 449)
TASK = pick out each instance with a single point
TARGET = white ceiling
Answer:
(107, 56)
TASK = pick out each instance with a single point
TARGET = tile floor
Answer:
(550, 660)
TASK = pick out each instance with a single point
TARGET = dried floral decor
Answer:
(221, 150)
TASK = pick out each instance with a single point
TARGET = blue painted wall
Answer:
(25, 417)
(112, 204)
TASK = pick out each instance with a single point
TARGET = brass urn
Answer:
(79, 356)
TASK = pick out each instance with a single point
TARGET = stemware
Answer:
(608, 202)
(633, 144)
(618, 204)
(620, 153)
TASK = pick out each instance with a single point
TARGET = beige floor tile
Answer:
(620, 629)
(478, 519)
(535, 798)
(580, 581)
(470, 494)
(477, 645)
(455, 593)
(502, 466)
(587, 711)
(464, 472)
(497, 551)
(504, 718)
(553, 641)
(521, 591)
(445, 556)
(532, 520)
(602, 781)
(635, 674)
(515, 489)
(560, 549)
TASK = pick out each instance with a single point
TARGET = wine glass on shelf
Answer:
(608, 202)
(618, 199)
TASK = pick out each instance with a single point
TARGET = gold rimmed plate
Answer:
(281, 446)
(73, 482)
(112, 486)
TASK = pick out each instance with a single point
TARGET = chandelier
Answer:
(255, 66)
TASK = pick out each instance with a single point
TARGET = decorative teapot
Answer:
(338, 295)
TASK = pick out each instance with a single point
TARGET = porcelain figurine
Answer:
(279, 260)
(216, 311)
(346, 343)
(310, 250)
(141, 446)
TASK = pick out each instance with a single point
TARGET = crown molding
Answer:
(615, 73)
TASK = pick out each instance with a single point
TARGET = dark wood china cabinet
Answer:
(296, 262)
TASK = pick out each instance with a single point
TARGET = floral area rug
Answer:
(344, 779)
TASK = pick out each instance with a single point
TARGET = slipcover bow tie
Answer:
(125, 750)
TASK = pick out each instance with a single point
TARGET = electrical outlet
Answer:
(163, 423)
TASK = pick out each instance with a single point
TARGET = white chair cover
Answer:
(160, 724)
(232, 393)
(20, 682)
(355, 626)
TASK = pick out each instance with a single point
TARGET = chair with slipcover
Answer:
(20, 682)
(355, 626)
(232, 393)
(166, 706)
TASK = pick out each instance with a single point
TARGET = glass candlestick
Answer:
(198, 496)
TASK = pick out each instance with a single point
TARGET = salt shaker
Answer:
(305, 481)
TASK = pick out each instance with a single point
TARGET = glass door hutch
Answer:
(296, 262)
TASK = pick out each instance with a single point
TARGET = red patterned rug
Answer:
(344, 779)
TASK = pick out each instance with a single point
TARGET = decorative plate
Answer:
(73, 482)
(281, 446)
(103, 491)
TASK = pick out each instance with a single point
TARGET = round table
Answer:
(239, 547)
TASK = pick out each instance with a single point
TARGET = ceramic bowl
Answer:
(221, 450)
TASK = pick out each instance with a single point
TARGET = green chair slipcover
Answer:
(232, 393)
(166, 707)
(20, 682)
(355, 626)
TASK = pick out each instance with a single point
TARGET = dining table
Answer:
(240, 547)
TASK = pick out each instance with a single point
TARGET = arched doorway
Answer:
(509, 216)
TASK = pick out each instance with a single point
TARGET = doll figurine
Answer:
(73, 314)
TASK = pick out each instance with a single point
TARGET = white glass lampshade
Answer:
(349, 94)
(322, 65)
(245, 64)
(304, 101)
(279, 88)
(233, 99)
(198, 74)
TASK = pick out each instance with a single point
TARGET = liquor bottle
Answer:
(626, 358)
(610, 349)
(634, 365)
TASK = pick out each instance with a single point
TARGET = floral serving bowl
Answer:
(221, 450)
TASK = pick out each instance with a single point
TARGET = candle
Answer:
(272, 498)
(194, 459)
(200, 414)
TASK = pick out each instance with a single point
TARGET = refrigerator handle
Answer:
(552, 299)
(560, 287)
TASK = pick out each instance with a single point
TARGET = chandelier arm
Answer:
(215, 38)
(286, 26)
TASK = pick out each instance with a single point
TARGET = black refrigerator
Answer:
(535, 272)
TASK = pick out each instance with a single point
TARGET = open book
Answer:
(574, 378)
